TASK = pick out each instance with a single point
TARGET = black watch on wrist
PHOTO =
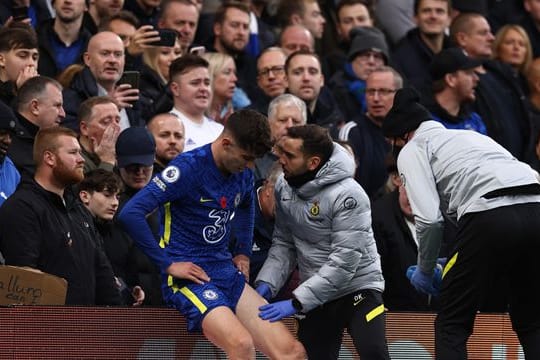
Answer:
(296, 304)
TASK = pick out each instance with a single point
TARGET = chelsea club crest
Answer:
(210, 295)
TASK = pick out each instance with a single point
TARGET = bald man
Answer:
(169, 135)
(104, 65)
(296, 37)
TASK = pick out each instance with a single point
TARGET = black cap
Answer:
(365, 39)
(451, 60)
(7, 118)
(405, 115)
(135, 145)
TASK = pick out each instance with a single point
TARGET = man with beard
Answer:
(62, 40)
(168, 133)
(231, 36)
(284, 111)
(104, 65)
(44, 226)
(323, 225)
(414, 52)
(454, 83)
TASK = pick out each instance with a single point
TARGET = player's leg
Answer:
(207, 308)
(486, 243)
(367, 326)
(321, 331)
(224, 330)
(524, 272)
(272, 339)
(463, 286)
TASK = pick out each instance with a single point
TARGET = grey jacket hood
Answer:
(341, 165)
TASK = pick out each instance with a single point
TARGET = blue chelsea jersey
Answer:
(200, 205)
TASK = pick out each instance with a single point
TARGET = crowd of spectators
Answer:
(336, 64)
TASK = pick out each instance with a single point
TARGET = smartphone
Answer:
(197, 50)
(19, 13)
(131, 78)
(167, 38)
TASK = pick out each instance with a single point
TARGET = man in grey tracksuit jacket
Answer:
(323, 225)
(495, 200)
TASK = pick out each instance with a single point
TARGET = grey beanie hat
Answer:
(367, 38)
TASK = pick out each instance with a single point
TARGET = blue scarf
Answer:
(356, 86)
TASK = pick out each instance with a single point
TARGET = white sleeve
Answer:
(419, 181)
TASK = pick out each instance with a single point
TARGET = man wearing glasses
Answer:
(364, 132)
(271, 80)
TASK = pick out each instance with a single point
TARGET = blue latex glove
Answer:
(426, 283)
(264, 290)
(277, 311)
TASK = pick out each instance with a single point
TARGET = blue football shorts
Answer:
(194, 301)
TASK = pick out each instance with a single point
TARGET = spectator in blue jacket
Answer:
(9, 175)
(454, 84)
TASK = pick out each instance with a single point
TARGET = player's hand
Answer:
(138, 294)
(264, 290)
(277, 311)
(188, 271)
(242, 263)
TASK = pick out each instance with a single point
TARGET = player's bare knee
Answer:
(293, 350)
(242, 344)
(298, 351)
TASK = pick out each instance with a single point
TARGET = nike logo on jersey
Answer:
(205, 200)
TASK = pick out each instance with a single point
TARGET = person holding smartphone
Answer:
(104, 65)
(32, 12)
(155, 75)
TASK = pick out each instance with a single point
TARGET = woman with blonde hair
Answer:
(513, 47)
(222, 70)
(155, 75)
